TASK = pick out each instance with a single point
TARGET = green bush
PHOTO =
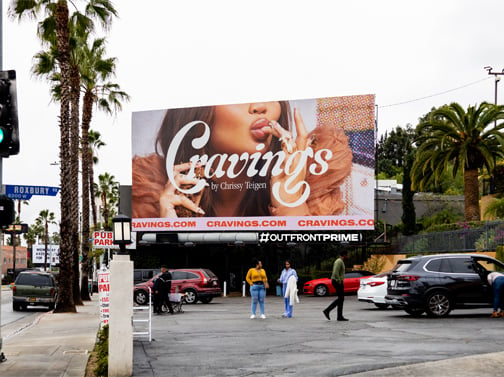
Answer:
(101, 349)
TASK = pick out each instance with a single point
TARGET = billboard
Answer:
(279, 165)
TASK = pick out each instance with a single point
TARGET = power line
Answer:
(436, 94)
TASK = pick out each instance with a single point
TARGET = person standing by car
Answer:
(337, 277)
(496, 280)
(287, 272)
(256, 277)
(162, 289)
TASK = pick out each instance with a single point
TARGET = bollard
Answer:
(225, 289)
(243, 290)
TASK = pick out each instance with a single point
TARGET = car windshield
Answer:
(34, 279)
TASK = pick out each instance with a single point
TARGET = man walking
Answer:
(337, 277)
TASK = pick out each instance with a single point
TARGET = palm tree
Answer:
(94, 70)
(55, 28)
(95, 143)
(108, 192)
(57, 16)
(467, 139)
(43, 220)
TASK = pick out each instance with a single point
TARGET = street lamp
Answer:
(122, 232)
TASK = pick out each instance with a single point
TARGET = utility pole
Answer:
(497, 79)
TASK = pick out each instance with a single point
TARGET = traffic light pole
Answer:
(2, 356)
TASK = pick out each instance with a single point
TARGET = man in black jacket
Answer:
(162, 288)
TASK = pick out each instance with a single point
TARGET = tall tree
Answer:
(56, 24)
(108, 192)
(392, 148)
(467, 139)
(95, 71)
(95, 143)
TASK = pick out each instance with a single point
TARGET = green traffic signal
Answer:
(1, 135)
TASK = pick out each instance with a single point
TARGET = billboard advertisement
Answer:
(277, 165)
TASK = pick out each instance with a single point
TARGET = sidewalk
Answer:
(53, 345)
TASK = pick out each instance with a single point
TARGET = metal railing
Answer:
(484, 238)
(138, 318)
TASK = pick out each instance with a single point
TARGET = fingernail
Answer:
(200, 211)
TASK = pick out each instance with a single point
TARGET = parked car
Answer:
(34, 288)
(373, 289)
(437, 284)
(141, 275)
(198, 284)
(324, 287)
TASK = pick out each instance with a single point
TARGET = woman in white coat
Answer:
(287, 272)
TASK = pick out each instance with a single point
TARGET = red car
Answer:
(199, 284)
(324, 287)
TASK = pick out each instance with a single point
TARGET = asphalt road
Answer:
(11, 321)
(219, 339)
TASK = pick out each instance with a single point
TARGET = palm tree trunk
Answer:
(92, 192)
(65, 301)
(74, 163)
(86, 120)
(471, 197)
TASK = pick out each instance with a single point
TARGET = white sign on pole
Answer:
(38, 254)
(104, 295)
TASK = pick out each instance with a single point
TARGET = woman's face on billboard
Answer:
(240, 128)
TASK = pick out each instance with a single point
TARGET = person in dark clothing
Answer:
(337, 277)
(162, 288)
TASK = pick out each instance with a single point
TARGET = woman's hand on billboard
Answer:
(170, 197)
(290, 146)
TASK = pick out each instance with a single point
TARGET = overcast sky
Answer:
(412, 55)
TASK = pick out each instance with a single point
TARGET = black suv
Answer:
(436, 284)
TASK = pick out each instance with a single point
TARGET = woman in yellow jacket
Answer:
(258, 281)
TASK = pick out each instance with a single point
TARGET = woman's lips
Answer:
(260, 129)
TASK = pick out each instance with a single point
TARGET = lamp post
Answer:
(121, 302)
(122, 232)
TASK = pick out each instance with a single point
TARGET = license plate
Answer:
(33, 299)
(393, 283)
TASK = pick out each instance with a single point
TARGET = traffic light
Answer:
(6, 211)
(9, 131)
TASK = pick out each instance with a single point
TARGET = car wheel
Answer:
(51, 306)
(381, 306)
(141, 297)
(438, 304)
(16, 307)
(320, 290)
(206, 300)
(415, 312)
(191, 296)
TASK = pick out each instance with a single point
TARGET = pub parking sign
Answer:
(24, 192)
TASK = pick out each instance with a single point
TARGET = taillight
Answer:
(13, 289)
(52, 291)
(408, 277)
(375, 283)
